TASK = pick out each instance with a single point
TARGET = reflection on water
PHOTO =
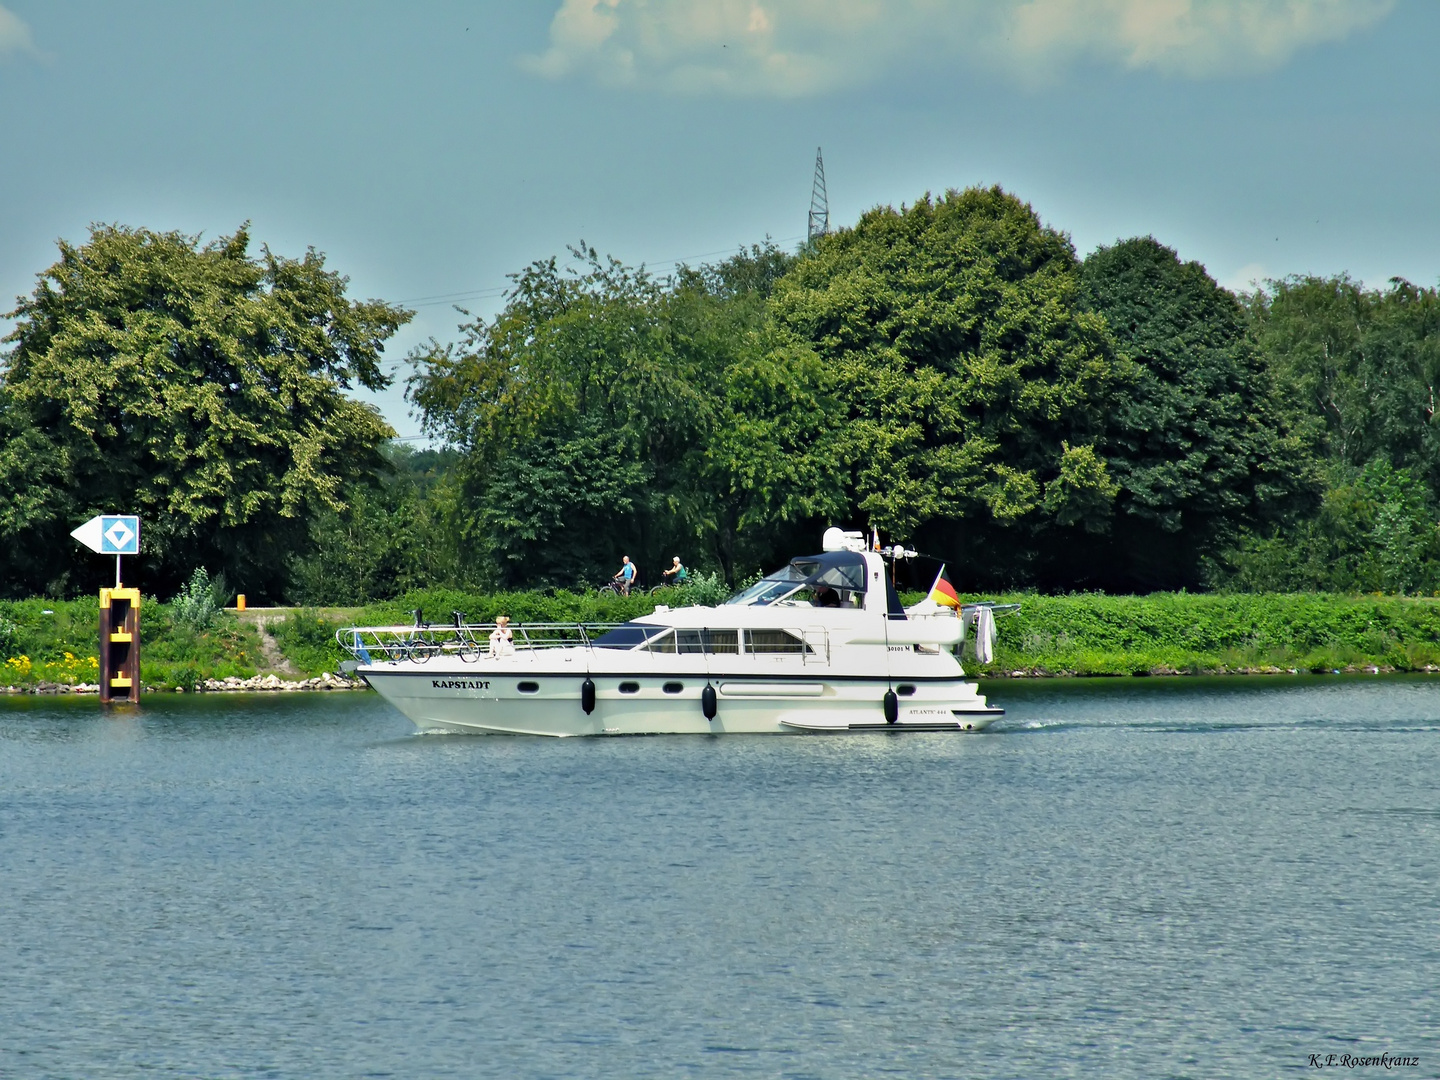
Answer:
(1128, 878)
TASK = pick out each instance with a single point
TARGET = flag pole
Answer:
(938, 576)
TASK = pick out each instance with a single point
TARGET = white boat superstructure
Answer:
(821, 645)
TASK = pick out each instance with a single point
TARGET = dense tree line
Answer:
(201, 386)
(949, 372)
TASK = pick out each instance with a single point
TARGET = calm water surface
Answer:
(1145, 878)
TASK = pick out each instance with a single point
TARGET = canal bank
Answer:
(49, 646)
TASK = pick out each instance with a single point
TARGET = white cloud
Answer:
(1247, 279)
(800, 47)
(1198, 38)
(14, 34)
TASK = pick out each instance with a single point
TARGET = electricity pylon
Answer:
(819, 202)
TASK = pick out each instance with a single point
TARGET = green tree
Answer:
(605, 412)
(1357, 368)
(1198, 446)
(976, 389)
(1374, 531)
(572, 411)
(200, 386)
(396, 531)
(1404, 531)
(772, 464)
(1364, 364)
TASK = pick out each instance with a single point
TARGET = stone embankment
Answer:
(257, 684)
(328, 681)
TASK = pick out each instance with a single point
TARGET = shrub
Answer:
(196, 605)
(9, 637)
(308, 641)
(706, 589)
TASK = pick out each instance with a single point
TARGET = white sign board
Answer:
(111, 534)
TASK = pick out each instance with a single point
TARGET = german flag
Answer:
(942, 592)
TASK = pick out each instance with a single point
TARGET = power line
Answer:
(436, 299)
(452, 298)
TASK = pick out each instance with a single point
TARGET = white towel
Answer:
(984, 635)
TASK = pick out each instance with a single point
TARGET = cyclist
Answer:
(626, 575)
(678, 572)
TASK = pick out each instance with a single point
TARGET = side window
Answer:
(662, 643)
(723, 641)
(707, 641)
(773, 641)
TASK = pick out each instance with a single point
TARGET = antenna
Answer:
(819, 202)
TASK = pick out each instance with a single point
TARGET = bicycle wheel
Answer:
(420, 650)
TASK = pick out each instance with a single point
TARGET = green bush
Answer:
(307, 640)
(9, 638)
(531, 606)
(706, 589)
(197, 605)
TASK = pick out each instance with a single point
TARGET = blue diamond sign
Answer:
(111, 534)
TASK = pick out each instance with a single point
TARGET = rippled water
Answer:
(1130, 879)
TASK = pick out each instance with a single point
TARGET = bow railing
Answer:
(467, 641)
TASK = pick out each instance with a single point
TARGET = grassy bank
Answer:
(1180, 633)
(55, 642)
(48, 641)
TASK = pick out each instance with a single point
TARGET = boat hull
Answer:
(533, 703)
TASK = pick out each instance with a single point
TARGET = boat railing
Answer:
(467, 641)
(815, 644)
(470, 642)
(996, 607)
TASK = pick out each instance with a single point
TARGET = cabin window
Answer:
(629, 687)
(707, 641)
(673, 687)
(905, 690)
(773, 641)
(665, 643)
(529, 688)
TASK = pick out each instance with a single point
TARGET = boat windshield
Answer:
(836, 578)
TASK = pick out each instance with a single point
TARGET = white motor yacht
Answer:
(821, 645)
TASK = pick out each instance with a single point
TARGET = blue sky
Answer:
(430, 148)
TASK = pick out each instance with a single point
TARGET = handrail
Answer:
(996, 608)
(468, 641)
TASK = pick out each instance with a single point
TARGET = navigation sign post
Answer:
(111, 534)
(118, 535)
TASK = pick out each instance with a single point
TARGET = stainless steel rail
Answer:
(467, 641)
(470, 642)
